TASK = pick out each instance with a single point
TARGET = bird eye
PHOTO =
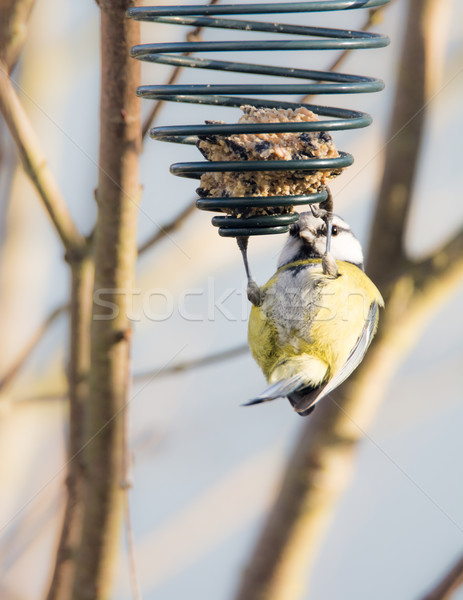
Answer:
(322, 230)
(294, 229)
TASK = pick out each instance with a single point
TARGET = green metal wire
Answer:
(236, 95)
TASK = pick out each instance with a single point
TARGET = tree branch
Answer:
(168, 228)
(12, 372)
(195, 363)
(437, 265)
(14, 16)
(114, 254)
(449, 584)
(36, 167)
(62, 579)
(136, 594)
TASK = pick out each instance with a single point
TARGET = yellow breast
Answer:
(306, 313)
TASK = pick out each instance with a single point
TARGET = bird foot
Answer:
(329, 265)
(319, 213)
(254, 293)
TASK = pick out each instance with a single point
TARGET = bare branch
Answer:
(439, 263)
(117, 195)
(63, 575)
(195, 363)
(12, 372)
(36, 167)
(136, 594)
(423, 272)
(14, 16)
(168, 228)
(448, 584)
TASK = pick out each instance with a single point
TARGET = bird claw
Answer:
(254, 293)
(319, 213)
(329, 265)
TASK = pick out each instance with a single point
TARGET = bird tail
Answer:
(304, 400)
(280, 389)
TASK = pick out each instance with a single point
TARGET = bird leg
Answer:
(325, 211)
(253, 290)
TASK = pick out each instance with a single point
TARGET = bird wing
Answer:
(303, 402)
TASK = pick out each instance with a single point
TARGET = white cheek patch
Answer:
(346, 247)
(289, 251)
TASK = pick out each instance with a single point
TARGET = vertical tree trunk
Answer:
(114, 255)
(78, 370)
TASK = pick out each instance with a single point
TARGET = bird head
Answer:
(307, 239)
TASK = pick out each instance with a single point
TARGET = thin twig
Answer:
(194, 363)
(8, 377)
(451, 581)
(136, 593)
(192, 35)
(36, 167)
(168, 228)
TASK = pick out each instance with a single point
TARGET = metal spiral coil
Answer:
(326, 82)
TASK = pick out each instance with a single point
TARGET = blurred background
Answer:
(205, 470)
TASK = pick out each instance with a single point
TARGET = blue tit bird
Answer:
(311, 329)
